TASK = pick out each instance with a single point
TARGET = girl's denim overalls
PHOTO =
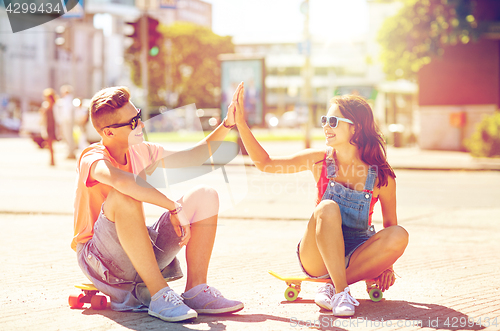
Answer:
(354, 205)
(354, 208)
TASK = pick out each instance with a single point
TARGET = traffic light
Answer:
(135, 34)
(154, 37)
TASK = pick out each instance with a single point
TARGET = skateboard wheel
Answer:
(376, 295)
(291, 294)
(98, 302)
(74, 301)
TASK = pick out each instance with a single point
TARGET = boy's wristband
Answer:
(227, 126)
(183, 220)
(177, 210)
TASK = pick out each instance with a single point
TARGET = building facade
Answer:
(460, 88)
(91, 57)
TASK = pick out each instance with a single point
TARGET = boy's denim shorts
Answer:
(106, 264)
(353, 238)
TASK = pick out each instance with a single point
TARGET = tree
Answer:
(195, 69)
(186, 65)
(421, 30)
(485, 141)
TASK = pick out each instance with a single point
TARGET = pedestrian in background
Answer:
(48, 127)
(66, 118)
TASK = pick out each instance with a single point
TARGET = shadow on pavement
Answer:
(390, 314)
(371, 315)
(143, 321)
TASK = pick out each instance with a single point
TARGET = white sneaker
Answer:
(343, 303)
(168, 306)
(324, 296)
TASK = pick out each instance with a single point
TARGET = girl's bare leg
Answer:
(322, 247)
(377, 254)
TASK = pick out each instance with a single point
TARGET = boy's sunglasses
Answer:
(133, 122)
(333, 121)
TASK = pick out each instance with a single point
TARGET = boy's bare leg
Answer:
(201, 206)
(199, 251)
(130, 222)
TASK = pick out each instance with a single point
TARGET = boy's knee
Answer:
(207, 193)
(116, 199)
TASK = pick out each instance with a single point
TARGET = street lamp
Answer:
(306, 72)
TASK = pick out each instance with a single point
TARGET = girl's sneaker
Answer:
(343, 303)
(324, 296)
(168, 306)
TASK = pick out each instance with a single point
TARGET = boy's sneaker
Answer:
(208, 300)
(324, 296)
(168, 306)
(343, 303)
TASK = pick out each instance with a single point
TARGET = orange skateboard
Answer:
(294, 286)
(89, 295)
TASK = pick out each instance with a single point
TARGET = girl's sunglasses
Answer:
(133, 122)
(333, 121)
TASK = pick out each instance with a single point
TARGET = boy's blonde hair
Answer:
(104, 104)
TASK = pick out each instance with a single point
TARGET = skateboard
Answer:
(89, 295)
(294, 286)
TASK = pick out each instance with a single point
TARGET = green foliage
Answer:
(195, 68)
(486, 139)
(421, 30)
(186, 64)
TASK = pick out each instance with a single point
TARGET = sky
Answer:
(331, 20)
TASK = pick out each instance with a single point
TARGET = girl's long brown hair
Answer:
(367, 136)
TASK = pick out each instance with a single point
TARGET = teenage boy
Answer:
(115, 248)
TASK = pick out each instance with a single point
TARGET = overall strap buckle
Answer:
(331, 166)
(370, 179)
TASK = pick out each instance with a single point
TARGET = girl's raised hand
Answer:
(240, 107)
(230, 119)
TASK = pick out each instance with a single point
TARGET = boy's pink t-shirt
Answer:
(90, 194)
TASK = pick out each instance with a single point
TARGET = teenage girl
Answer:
(352, 175)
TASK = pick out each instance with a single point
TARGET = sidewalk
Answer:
(449, 272)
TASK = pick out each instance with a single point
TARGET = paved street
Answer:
(448, 274)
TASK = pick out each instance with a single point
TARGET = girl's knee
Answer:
(327, 210)
(398, 237)
(327, 213)
(327, 207)
(402, 234)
